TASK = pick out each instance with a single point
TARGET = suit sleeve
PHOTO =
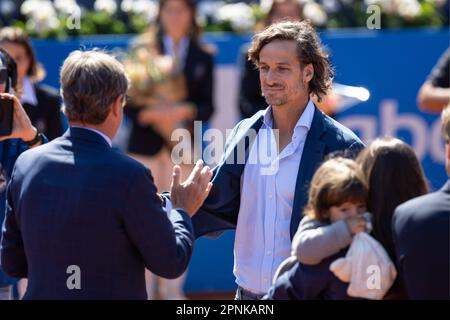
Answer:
(13, 260)
(285, 286)
(303, 282)
(299, 283)
(396, 227)
(164, 239)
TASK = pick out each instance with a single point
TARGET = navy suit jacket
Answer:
(221, 208)
(422, 238)
(306, 282)
(76, 201)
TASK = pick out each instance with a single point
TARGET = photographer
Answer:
(41, 102)
(23, 136)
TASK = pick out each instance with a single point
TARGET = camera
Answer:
(6, 116)
(8, 77)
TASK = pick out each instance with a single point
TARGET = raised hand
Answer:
(22, 127)
(190, 194)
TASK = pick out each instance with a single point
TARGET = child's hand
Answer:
(356, 224)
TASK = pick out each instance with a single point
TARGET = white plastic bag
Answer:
(367, 267)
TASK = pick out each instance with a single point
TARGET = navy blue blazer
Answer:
(76, 201)
(422, 237)
(305, 282)
(221, 208)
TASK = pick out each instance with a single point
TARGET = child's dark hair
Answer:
(337, 180)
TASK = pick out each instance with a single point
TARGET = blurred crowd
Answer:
(132, 16)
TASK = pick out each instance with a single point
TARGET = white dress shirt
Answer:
(263, 229)
(28, 93)
(181, 52)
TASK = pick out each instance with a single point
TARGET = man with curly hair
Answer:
(262, 196)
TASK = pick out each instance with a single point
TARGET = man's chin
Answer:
(273, 101)
(276, 103)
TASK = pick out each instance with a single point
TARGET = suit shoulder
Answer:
(250, 121)
(247, 123)
(206, 50)
(427, 208)
(37, 153)
(202, 53)
(415, 206)
(126, 163)
(339, 137)
(29, 158)
(116, 158)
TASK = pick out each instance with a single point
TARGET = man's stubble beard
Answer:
(284, 100)
(280, 102)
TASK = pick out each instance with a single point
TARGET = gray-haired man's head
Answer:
(91, 81)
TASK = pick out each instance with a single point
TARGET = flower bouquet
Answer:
(156, 80)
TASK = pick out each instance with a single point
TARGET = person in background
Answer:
(251, 99)
(23, 137)
(434, 94)
(41, 103)
(175, 34)
(394, 176)
(422, 237)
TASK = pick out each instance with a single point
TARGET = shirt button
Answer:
(269, 253)
(265, 280)
(270, 196)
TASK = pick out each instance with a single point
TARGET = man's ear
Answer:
(117, 106)
(308, 73)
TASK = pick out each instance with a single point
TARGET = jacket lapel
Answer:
(243, 141)
(189, 60)
(312, 156)
(227, 178)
